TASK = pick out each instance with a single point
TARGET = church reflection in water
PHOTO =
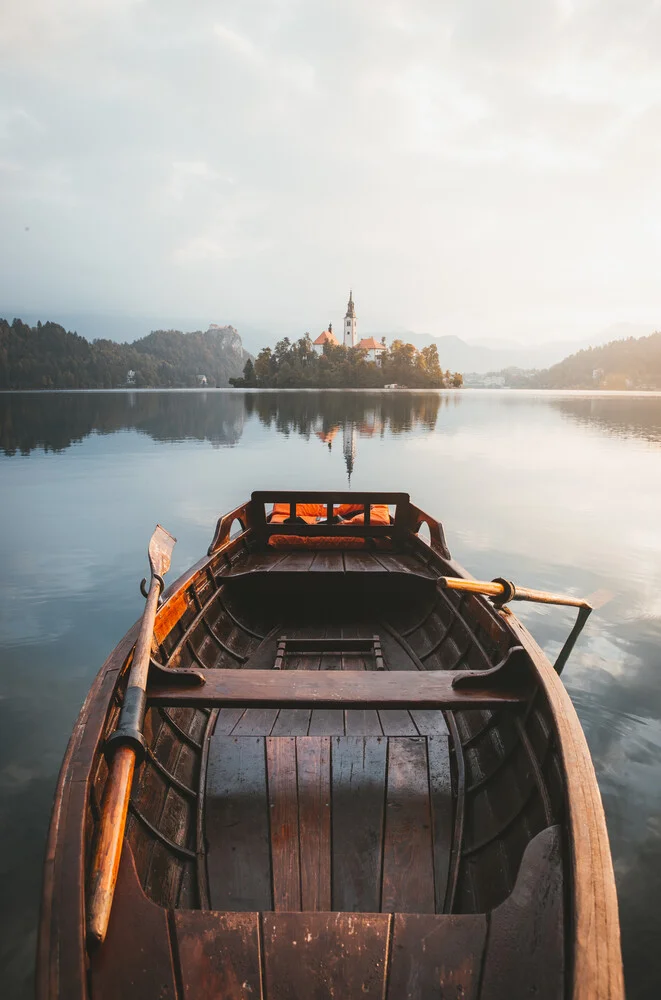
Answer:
(53, 421)
(349, 435)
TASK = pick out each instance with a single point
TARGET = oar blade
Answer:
(161, 545)
(599, 598)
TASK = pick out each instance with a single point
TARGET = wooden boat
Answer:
(347, 773)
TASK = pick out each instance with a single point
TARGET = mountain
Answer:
(217, 354)
(461, 355)
(478, 355)
(633, 363)
(46, 356)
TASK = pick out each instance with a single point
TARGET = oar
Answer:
(128, 743)
(503, 591)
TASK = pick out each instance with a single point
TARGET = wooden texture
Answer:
(442, 812)
(256, 722)
(135, 959)
(118, 789)
(314, 817)
(522, 762)
(408, 873)
(168, 616)
(218, 955)
(329, 496)
(275, 562)
(105, 865)
(332, 689)
(237, 824)
(596, 970)
(358, 797)
(283, 811)
(61, 952)
(397, 722)
(318, 956)
(439, 958)
(526, 932)
(493, 589)
(375, 812)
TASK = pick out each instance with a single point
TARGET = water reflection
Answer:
(55, 421)
(625, 416)
(555, 492)
(370, 413)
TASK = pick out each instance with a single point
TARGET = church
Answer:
(374, 349)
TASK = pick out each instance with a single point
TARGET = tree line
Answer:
(47, 356)
(297, 364)
(631, 363)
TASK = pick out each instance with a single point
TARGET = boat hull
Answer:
(331, 771)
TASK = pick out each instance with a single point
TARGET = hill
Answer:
(481, 354)
(485, 356)
(46, 356)
(633, 363)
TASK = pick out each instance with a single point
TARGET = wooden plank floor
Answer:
(351, 823)
(274, 561)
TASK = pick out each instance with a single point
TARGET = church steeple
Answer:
(350, 323)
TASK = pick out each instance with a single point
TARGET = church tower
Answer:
(350, 324)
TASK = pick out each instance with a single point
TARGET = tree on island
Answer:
(297, 365)
(249, 377)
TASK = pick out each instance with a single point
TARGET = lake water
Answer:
(557, 492)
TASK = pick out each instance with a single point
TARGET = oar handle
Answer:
(127, 745)
(506, 591)
(109, 844)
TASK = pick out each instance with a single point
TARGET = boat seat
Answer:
(513, 953)
(275, 562)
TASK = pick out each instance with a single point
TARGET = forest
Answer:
(633, 363)
(298, 365)
(46, 356)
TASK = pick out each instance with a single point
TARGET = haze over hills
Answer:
(631, 363)
(489, 356)
(479, 355)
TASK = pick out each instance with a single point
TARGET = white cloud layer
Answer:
(470, 167)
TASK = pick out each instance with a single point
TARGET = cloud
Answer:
(473, 168)
(238, 43)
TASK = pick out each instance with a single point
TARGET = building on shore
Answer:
(375, 349)
(350, 323)
(326, 337)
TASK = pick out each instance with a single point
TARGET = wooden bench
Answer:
(332, 689)
(513, 953)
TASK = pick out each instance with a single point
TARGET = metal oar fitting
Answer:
(508, 594)
(144, 589)
(129, 730)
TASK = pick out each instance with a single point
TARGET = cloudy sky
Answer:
(485, 168)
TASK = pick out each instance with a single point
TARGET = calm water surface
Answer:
(559, 492)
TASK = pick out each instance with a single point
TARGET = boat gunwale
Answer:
(593, 936)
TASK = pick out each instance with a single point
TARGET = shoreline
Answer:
(253, 390)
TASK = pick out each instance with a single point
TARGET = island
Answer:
(329, 365)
